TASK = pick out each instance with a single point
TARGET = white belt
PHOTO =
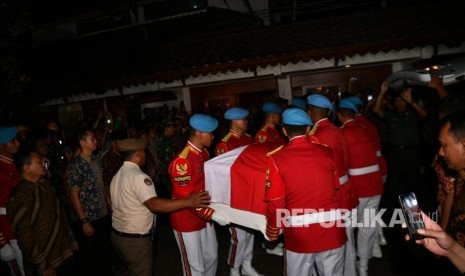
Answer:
(364, 170)
(313, 218)
(343, 179)
(378, 153)
(2, 211)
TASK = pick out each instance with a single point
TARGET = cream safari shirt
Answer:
(129, 189)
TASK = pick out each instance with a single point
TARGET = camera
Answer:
(412, 215)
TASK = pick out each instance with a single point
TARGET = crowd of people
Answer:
(85, 202)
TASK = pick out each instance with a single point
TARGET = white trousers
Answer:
(350, 258)
(199, 251)
(329, 262)
(366, 233)
(241, 249)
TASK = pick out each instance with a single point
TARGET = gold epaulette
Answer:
(226, 138)
(184, 152)
(274, 151)
(313, 130)
(318, 143)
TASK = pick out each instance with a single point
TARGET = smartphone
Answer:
(412, 214)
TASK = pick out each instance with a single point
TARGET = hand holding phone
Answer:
(412, 215)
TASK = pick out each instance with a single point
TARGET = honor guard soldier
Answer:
(242, 239)
(236, 136)
(9, 178)
(300, 182)
(134, 202)
(325, 132)
(361, 119)
(268, 132)
(299, 103)
(366, 177)
(194, 233)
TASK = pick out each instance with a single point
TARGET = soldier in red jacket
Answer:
(9, 178)
(242, 239)
(364, 172)
(361, 119)
(325, 132)
(192, 228)
(268, 132)
(300, 186)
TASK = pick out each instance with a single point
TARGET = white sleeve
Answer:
(144, 188)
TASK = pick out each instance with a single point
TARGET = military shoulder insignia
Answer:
(316, 142)
(184, 152)
(261, 138)
(219, 150)
(226, 137)
(314, 128)
(274, 151)
(147, 181)
(181, 169)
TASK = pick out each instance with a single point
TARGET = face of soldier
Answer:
(276, 118)
(451, 149)
(206, 138)
(241, 124)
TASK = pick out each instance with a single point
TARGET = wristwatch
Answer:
(85, 220)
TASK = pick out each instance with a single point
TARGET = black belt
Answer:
(130, 235)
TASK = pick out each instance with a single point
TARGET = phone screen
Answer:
(412, 214)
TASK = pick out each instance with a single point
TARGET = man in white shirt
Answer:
(134, 201)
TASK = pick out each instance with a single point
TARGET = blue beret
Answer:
(355, 100)
(203, 122)
(271, 107)
(7, 134)
(300, 103)
(347, 104)
(319, 101)
(236, 113)
(297, 117)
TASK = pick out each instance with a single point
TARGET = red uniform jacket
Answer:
(327, 133)
(9, 178)
(375, 135)
(231, 141)
(187, 176)
(362, 155)
(298, 178)
(268, 133)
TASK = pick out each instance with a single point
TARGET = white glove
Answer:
(220, 218)
(262, 229)
(6, 253)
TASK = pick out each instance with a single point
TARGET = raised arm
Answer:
(407, 96)
(377, 108)
(436, 83)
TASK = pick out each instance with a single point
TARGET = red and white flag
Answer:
(236, 182)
